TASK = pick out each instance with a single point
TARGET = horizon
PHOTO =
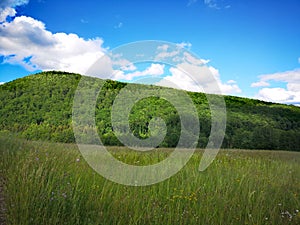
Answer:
(228, 95)
(252, 48)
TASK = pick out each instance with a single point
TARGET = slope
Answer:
(39, 107)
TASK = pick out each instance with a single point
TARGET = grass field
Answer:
(47, 183)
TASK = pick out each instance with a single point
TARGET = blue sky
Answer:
(253, 46)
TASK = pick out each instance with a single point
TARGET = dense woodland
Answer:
(39, 107)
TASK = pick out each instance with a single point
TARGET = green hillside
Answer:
(39, 107)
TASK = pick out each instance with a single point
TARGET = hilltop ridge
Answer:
(39, 107)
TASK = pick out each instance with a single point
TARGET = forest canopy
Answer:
(39, 107)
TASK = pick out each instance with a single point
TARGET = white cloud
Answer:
(187, 45)
(290, 94)
(198, 78)
(230, 87)
(12, 3)
(165, 54)
(129, 67)
(175, 54)
(163, 48)
(26, 41)
(231, 82)
(260, 84)
(102, 68)
(192, 73)
(287, 76)
(2, 83)
(7, 8)
(180, 80)
(194, 61)
(278, 95)
(4, 13)
(68, 52)
(153, 70)
(211, 4)
(122, 63)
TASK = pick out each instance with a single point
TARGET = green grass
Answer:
(47, 183)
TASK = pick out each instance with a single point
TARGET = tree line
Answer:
(39, 107)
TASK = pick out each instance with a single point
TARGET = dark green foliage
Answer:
(39, 107)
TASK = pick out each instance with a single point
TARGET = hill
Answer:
(39, 107)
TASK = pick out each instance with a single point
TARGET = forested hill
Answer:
(39, 107)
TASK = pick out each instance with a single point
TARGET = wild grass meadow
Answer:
(50, 183)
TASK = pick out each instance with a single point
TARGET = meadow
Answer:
(50, 183)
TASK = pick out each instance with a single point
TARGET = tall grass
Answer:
(47, 183)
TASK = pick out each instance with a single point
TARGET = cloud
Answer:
(260, 84)
(290, 94)
(27, 42)
(192, 73)
(187, 45)
(163, 48)
(119, 25)
(191, 2)
(211, 4)
(231, 82)
(187, 71)
(217, 4)
(4, 13)
(153, 70)
(198, 78)
(230, 87)
(280, 95)
(12, 3)
(287, 76)
(194, 61)
(2, 83)
(180, 80)
(68, 52)
(165, 52)
(84, 21)
(7, 8)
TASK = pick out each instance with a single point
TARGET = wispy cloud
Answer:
(191, 2)
(84, 21)
(12, 3)
(119, 25)
(260, 84)
(217, 4)
(187, 45)
(211, 4)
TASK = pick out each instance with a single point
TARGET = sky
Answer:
(251, 47)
